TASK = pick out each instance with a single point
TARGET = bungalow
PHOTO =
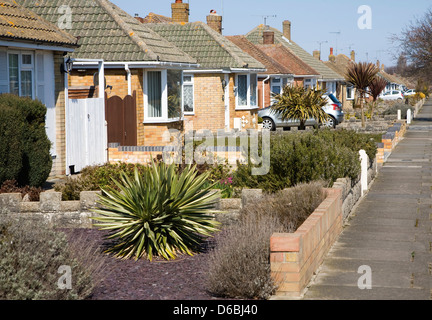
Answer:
(31, 57)
(223, 92)
(340, 64)
(327, 79)
(283, 67)
(143, 71)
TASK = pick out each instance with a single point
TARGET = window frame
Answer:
(164, 98)
(248, 105)
(22, 67)
(192, 84)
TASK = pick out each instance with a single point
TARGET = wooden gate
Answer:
(121, 119)
(86, 135)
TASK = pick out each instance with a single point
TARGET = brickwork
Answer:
(59, 163)
(295, 257)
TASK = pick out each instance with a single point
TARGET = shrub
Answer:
(11, 186)
(27, 155)
(393, 110)
(157, 213)
(305, 157)
(239, 266)
(30, 257)
(93, 178)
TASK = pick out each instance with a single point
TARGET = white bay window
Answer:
(246, 91)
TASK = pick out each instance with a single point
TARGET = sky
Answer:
(343, 25)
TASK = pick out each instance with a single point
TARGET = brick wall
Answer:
(294, 257)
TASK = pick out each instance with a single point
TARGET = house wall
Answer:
(209, 106)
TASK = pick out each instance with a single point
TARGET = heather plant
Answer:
(31, 254)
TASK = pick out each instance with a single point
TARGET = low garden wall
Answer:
(390, 140)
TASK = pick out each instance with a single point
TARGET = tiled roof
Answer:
(211, 49)
(107, 32)
(340, 65)
(20, 23)
(272, 66)
(256, 36)
(280, 53)
(155, 18)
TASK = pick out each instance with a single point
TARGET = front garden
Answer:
(171, 221)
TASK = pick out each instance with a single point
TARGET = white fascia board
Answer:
(89, 63)
(33, 46)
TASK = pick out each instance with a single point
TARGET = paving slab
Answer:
(390, 230)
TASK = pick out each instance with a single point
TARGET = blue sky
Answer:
(313, 21)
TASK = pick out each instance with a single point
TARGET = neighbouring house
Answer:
(327, 79)
(346, 93)
(223, 92)
(31, 57)
(283, 68)
(143, 74)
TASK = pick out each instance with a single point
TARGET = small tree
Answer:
(299, 103)
(361, 76)
(377, 86)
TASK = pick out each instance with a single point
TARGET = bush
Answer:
(30, 257)
(94, 178)
(11, 186)
(24, 145)
(393, 110)
(308, 156)
(239, 266)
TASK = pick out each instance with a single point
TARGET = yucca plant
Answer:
(361, 75)
(157, 213)
(299, 103)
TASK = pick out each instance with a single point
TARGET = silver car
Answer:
(272, 120)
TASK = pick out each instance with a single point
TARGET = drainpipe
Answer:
(128, 79)
(263, 93)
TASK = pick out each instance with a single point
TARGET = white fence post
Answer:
(409, 116)
(364, 171)
(399, 115)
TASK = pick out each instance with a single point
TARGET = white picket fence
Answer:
(86, 134)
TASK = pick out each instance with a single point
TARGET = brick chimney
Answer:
(214, 21)
(180, 11)
(317, 54)
(287, 29)
(353, 56)
(268, 37)
(332, 57)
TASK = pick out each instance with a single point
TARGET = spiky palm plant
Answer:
(361, 75)
(299, 103)
(377, 86)
(159, 213)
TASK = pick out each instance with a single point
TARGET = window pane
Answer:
(276, 89)
(26, 84)
(187, 79)
(26, 59)
(13, 74)
(188, 98)
(253, 89)
(174, 93)
(242, 90)
(154, 92)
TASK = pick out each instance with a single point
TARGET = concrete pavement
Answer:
(385, 250)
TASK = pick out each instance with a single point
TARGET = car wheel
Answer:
(330, 123)
(268, 124)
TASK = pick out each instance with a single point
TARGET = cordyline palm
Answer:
(361, 75)
(377, 86)
(299, 103)
(159, 213)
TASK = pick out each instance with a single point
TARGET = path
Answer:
(390, 231)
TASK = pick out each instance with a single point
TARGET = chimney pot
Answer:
(331, 51)
(353, 55)
(317, 54)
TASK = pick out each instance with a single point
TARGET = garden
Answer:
(155, 236)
